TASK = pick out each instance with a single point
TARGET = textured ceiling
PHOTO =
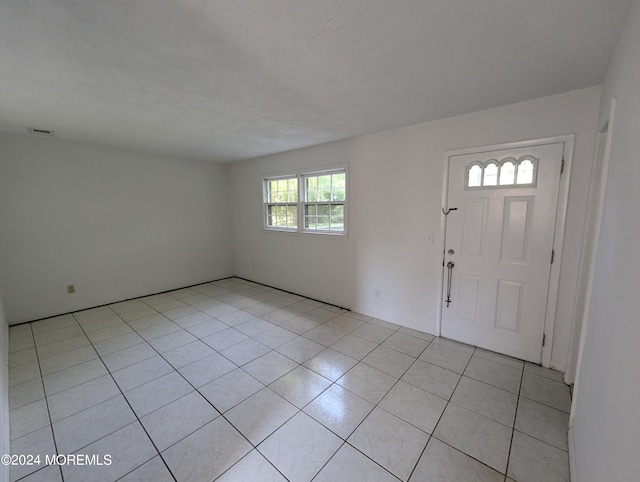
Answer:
(224, 80)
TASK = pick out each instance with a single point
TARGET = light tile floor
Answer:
(235, 381)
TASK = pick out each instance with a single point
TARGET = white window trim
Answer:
(300, 175)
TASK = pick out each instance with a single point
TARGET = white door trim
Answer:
(558, 238)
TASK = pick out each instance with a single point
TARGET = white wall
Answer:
(4, 392)
(116, 223)
(396, 182)
(606, 431)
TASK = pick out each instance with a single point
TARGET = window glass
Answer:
(525, 172)
(507, 173)
(491, 175)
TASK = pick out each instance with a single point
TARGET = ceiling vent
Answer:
(40, 132)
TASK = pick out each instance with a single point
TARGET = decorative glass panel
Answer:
(525, 172)
(475, 176)
(491, 175)
(507, 174)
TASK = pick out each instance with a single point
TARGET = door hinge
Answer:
(562, 166)
(553, 255)
(544, 338)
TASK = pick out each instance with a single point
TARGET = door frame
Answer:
(568, 142)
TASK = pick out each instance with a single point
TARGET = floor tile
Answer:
(230, 389)
(354, 346)
(442, 463)
(321, 314)
(75, 375)
(339, 410)
(24, 373)
(389, 361)
(21, 343)
(493, 373)
(432, 379)
(480, 437)
(187, 354)
(414, 405)
(39, 443)
(25, 393)
(544, 372)
(454, 344)
(206, 369)
(268, 368)
(174, 421)
(252, 467)
(359, 468)
(87, 426)
(142, 372)
(245, 351)
(157, 393)
(282, 315)
(390, 441)
(372, 332)
(330, 364)
(179, 312)
(543, 422)
(532, 461)
(206, 453)
(253, 327)
(207, 328)
(498, 358)
(236, 317)
(300, 386)
(299, 324)
(345, 323)
(325, 335)
(444, 357)
(50, 473)
(148, 321)
(546, 391)
(57, 335)
(129, 448)
(221, 310)
(138, 313)
(368, 382)
(173, 340)
(276, 336)
(193, 319)
(81, 397)
(23, 357)
(224, 339)
(300, 349)
(112, 331)
(129, 356)
(487, 400)
(300, 458)
(28, 418)
(153, 471)
(57, 347)
(407, 344)
(67, 360)
(260, 415)
(161, 329)
(53, 324)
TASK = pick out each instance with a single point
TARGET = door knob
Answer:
(451, 251)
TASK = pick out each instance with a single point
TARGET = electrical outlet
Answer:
(377, 292)
(253, 264)
(430, 238)
(71, 289)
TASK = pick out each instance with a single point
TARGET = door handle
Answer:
(450, 266)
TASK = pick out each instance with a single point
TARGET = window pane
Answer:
(292, 216)
(323, 209)
(338, 180)
(339, 194)
(525, 172)
(310, 209)
(491, 175)
(324, 195)
(324, 182)
(507, 174)
(323, 222)
(475, 176)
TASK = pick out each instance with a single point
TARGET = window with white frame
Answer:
(312, 202)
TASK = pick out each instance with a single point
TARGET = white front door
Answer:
(499, 242)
